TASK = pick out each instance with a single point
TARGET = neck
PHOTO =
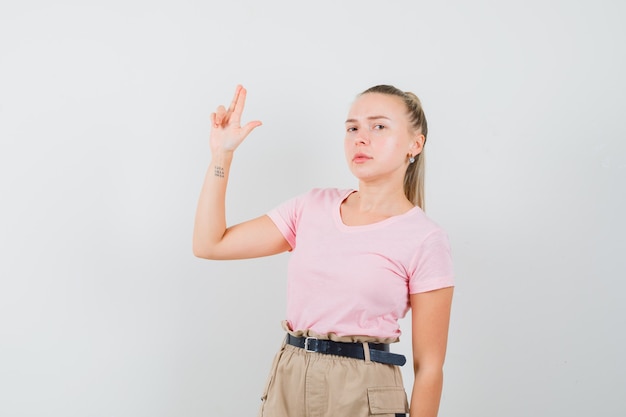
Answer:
(381, 198)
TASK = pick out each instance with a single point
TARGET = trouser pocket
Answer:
(387, 401)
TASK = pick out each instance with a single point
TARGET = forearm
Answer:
(426, 392)
(210, 222)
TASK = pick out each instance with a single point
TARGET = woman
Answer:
(360, 259)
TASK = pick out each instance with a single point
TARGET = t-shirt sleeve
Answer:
(286, 217)
(432, 265)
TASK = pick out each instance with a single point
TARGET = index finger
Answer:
(239, 104)
(233, 103)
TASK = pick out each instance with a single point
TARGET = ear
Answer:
(417, 144)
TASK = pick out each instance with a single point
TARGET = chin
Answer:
(362, 175)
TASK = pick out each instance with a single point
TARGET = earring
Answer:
(411, 159)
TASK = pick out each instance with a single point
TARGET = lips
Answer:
(359, 158)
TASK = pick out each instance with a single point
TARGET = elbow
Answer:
(203, 247)
(203, 252)
(199, 254)
(205, 255)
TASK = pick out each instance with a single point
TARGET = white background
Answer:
(104, 121)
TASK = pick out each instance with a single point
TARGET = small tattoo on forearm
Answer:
(219, 172)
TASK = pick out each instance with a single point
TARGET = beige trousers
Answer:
(310, 384)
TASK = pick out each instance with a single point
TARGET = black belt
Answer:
(379, 352)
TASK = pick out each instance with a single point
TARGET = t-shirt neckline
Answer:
(344, 227)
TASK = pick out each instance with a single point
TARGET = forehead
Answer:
(377, 104)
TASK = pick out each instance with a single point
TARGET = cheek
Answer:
(395, 146)
(403, 143)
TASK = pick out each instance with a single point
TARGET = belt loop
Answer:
(366, 353)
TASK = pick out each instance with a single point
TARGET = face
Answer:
(379, 138)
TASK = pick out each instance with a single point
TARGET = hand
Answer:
(226, 131)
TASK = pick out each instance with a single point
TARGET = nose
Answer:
(361, 137)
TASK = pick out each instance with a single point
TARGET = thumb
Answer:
(250, 126)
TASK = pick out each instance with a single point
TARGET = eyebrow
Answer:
(369, 118)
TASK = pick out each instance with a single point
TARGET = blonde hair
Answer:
(414, 175)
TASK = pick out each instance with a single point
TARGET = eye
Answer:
(351, 129)
(379, 127)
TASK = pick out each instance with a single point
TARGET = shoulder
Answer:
(424, 227)
(315, 197)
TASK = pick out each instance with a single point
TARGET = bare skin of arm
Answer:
(211, 238)
(430, 322)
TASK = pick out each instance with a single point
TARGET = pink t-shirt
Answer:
(356, 280)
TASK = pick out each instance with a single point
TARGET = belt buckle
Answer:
(306, 344)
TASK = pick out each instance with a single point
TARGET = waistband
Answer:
(334, 337)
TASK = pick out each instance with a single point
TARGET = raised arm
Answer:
(431, 317)
(211, 238)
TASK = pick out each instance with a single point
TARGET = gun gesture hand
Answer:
(226, 130)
